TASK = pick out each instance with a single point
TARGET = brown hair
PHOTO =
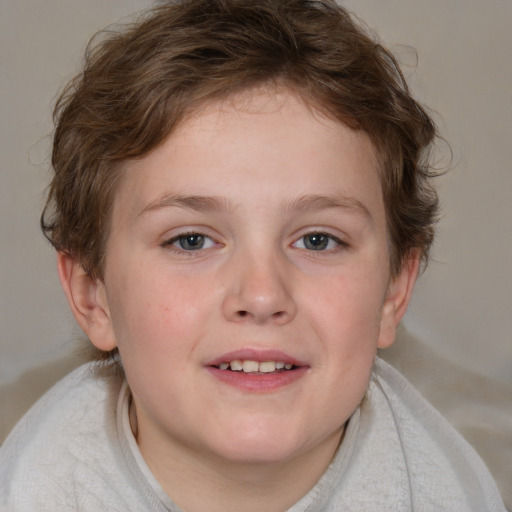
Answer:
(140, 82)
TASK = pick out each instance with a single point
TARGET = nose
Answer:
(258, 290)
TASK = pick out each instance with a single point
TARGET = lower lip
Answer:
(258, 382)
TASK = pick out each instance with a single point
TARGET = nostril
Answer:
(242, 313)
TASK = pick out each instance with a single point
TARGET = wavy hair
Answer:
(140, 81)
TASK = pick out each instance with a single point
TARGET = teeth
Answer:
(236, 365)
(249, 366)
(267, 366)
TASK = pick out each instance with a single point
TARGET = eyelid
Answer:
(339, 240)
(169, 241)
(204, 238)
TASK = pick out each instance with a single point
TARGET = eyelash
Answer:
(323, 236)
(323, 243)
(176, 243)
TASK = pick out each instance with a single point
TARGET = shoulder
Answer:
(71, 428)
(398, 454)
(440, 466)
(78, 398)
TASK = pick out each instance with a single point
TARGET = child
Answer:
(241, 203)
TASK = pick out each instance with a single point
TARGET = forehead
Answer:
(273, 142)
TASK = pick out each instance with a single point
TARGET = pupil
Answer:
(316, 241)
(192, 242)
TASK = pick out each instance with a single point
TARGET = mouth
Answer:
(255, 370)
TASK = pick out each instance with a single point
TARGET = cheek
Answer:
(348, 323)
(151, 308)
(352, 305)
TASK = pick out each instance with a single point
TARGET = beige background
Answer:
(462, 308)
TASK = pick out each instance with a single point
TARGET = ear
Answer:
(397, 299)
(87, 299)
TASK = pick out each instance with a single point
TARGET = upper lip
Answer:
(253, 354)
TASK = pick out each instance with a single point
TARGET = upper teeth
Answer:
(249, 366)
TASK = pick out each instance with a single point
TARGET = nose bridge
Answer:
(259, 288)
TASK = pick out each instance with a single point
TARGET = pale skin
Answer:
(257, 228)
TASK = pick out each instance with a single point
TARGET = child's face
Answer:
(256, 232)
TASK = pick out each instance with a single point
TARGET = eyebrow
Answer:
(305, 203)
(315, 203)
(203, 204)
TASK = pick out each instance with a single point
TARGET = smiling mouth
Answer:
(249, 366)
(255, 372)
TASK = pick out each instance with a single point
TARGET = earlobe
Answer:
(398, 298)
(87, 299)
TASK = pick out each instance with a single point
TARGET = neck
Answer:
(198, 481)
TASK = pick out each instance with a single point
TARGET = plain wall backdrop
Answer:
(462, 305)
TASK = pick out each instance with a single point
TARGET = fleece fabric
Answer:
(75, 451)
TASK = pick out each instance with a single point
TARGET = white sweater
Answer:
(74, 450)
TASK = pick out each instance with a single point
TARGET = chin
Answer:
(261, 443)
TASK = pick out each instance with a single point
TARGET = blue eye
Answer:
(317, 242)
(191, 242)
